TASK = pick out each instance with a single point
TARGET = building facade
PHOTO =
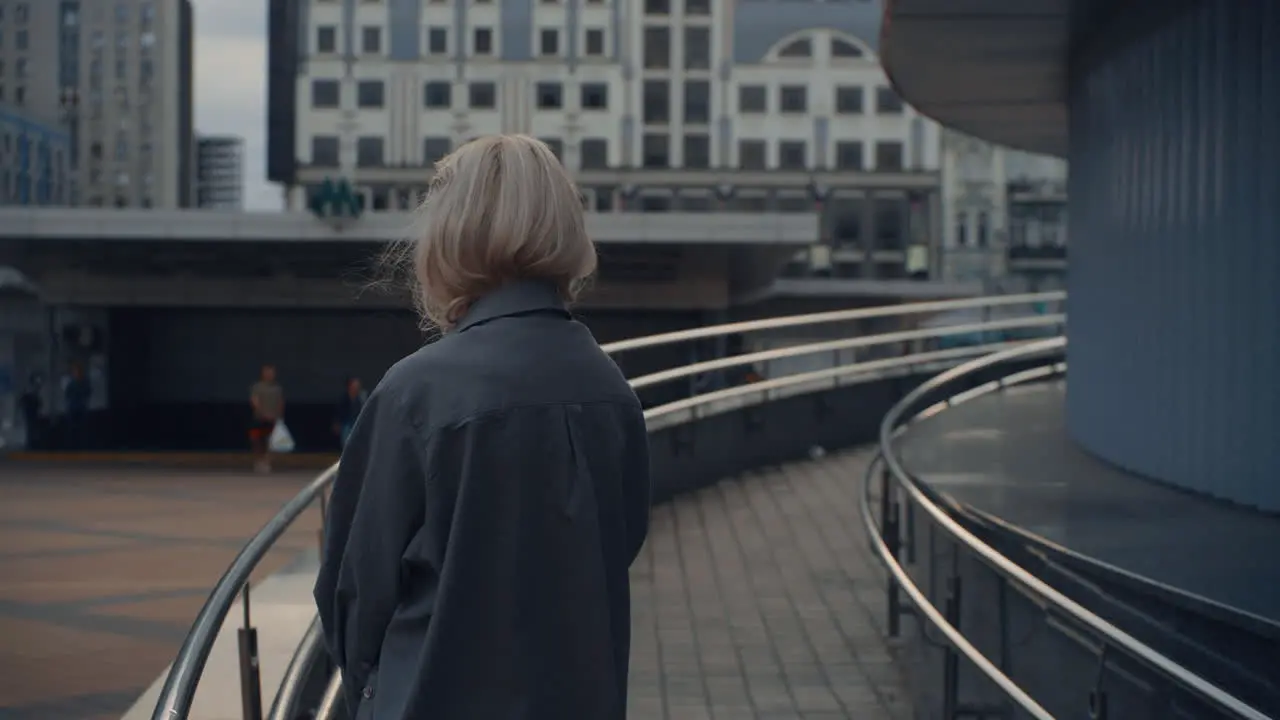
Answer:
(117, 77)
(1006, 215)
(220, 173)
(655, 105)
(34, 160)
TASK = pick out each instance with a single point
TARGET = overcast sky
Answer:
(231, 85)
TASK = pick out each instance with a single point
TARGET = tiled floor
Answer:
(756, 598)
(103, 570)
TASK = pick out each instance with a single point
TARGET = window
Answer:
(326, 39)
(849, 100)
(849, 155)
(801, 48)
(752, 154)
(369, 152)
(888, 155)
(482, 96)
(550, 95)
(483, 44)
(437, 41)
(20, 12)
(697, 48)
(697, 7)
(549, 42)
(697, 151)
(435, 148)
(657, 48)
(844, 49)
(794, 99)
(369, 94)
(887, 101)
(324, 151)
(697, 102)
(595, 42)
(791, 155)
(20, 40)
(594, 153)
(752, 99)
(371, 40)
(556, 145)
(595, 96)
(657, 102)
(657, 7)
(325, 94)
(437, 94)
(962, 228)
(656, 150)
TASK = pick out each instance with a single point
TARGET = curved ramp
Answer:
(758, 598)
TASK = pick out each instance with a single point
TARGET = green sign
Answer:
(336, 200)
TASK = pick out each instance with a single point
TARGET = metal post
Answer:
(889, 533)
(951, 658)
(250, 679)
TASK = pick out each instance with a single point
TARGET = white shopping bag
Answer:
(280, 441)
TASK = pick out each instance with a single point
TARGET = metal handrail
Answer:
(178, 691)
(179, 687)
(844, 344)
(833, 316)
(889, 427)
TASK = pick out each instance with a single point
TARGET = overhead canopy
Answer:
(995, 69)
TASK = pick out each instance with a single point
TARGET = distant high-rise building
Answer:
(219, 173)
(116, 77)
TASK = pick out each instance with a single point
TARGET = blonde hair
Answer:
(500, 208)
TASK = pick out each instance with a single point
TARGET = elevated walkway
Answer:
(756, 597)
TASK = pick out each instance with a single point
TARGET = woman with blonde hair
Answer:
(495, 487)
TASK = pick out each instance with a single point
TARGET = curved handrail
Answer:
(889, 427)
(832, 316)
(178, 691)
(180, 685)
(284, 707)
(844, 344)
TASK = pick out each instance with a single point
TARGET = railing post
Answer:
(889, 533)
(1098, 696)
(250, 679)
(950, 658)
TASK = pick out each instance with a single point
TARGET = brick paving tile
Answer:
(102, 571)
(758, 598)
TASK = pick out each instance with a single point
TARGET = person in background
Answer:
(76, 402)
(496, 487)
(349, 406)
(32, 411)
(266, 399)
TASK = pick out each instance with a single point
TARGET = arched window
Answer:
(844, 49)
(801, 48)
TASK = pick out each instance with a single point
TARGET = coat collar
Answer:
(514, 298)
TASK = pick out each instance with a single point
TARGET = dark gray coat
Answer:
(488, 504)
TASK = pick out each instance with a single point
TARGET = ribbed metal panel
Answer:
(1175, 254)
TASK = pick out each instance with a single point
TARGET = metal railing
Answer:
(178, 691)
(903, 497)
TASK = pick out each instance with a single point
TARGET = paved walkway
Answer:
(103, 570)
(756, 598)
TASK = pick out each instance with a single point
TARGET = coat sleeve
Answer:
(376, 508)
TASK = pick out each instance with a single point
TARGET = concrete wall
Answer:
(1175, 258)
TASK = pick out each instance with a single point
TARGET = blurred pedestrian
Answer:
(266, 400)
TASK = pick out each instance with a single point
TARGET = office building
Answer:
(655, 105)
(117, 77)
(1007, 215)
(219, 173)
(34, 160)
